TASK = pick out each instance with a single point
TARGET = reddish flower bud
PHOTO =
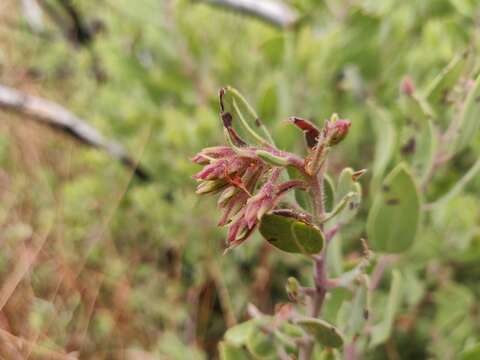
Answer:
(247, 175)
(239, 231)
(211, 186)
(337, 131)
(259, 204)
(205, 156)
(407, 86)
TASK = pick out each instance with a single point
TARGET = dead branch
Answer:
(274, 12)
(58, 117)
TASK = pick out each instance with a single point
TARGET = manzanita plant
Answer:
(255, 180)
(292, 201)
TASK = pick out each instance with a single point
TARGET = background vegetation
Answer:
(96, 263)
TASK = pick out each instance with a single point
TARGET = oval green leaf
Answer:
(385, 139)
(291, 330)
(346, 185)
(382, 331)
(469, 123)
(443, 83)
(227, 351)
(419, 134)
(239, 333)
(301, 196)
(395, 214)
(261, 344)
(328, 193)
(359, 311)
(291, 235)
(323, 332)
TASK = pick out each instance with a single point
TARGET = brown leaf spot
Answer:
(392, 201)
(227, 119)
(366, 314)
(221, 94)
(409, 147)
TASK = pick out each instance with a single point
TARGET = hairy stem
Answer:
(319, 266)
(316, 193)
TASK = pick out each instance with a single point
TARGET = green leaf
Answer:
(291, 235)
(244, 115)
(451, 302)
(335, 256)
(419, 134)
(425, 154)
(323, 332)
(381, 332)
(472, 353)
(395, 214)
(301, 196)
(261, 344)
(469, 119)
(416, 107)
(238, 334)
(385, 141)
(342, 205)
(273, 49)
(414, 287)
(446, 80)
(325, 354)
(227, 351)
(359, 311)
(291, 330)
(287, 333)
(328, 193)
(267, 102)
(293, 289)
(347, 185)
(337, 297)
(303, 199)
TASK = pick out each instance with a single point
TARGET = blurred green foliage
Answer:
(131, 268)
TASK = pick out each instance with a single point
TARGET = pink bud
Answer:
(205, 156)
(232, 207)
(239, 232)
(338, 130)
(407, 86)
(212, 171)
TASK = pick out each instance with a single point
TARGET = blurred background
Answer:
(98, 261)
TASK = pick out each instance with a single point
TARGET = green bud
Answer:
(293, 289)
(209, 186)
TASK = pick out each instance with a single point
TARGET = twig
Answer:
(58, 117)
(319, 267)
(222, 292)
(274, 12)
